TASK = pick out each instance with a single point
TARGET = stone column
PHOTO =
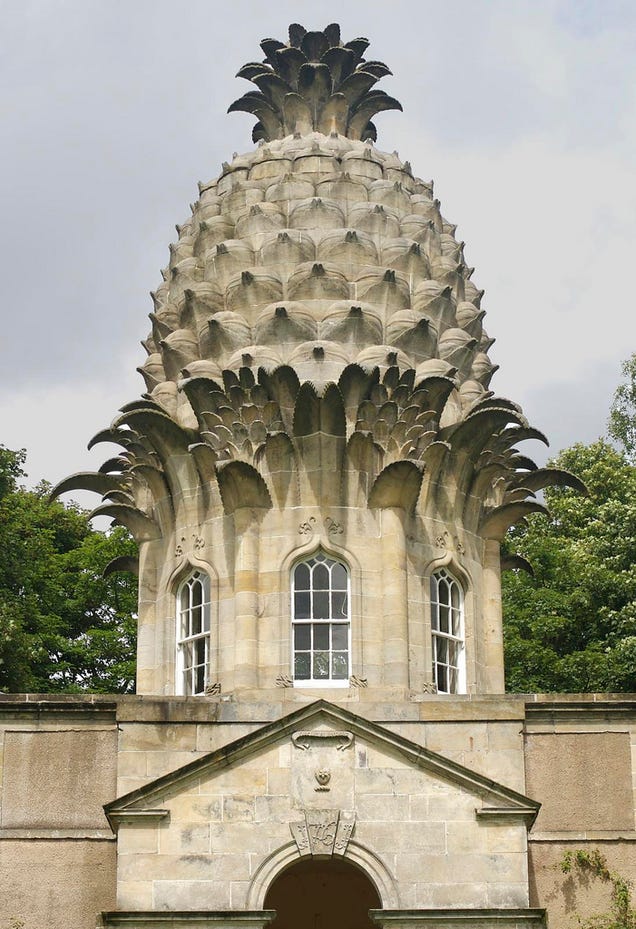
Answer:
(246, 527)
(490, 663)
(394, 600)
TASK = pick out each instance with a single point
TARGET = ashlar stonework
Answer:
(318, 477)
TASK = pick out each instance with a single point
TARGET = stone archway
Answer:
(322, 894)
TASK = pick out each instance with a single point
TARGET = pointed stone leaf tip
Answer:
(314, 83)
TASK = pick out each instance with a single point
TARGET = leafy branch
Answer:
(622, 914)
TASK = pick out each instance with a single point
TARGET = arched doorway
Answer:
(322, 894)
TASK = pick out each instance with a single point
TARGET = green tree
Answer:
(622, 419)
(572, 627)
(63, 626)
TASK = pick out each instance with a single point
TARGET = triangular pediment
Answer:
(338, 724)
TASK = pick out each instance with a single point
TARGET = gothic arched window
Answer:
(447, 630)
(193, 634)
(321, 622)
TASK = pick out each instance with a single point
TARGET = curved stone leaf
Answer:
(398, 485)
(495, 524)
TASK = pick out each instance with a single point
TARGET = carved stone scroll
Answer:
(303, 739)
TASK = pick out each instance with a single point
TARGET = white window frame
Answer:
(447, 633)
(193, 635)
(316, 622)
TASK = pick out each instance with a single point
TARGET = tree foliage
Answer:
(586, 864)
(63, 626)
(622, 418)
(572, 628)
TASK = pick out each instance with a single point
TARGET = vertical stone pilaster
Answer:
(490, 643)
(246, 597)
(394, 599)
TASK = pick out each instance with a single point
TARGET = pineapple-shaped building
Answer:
(319, 477)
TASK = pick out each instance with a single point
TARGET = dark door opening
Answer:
(322, 894)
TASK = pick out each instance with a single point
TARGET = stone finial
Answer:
(314, 83)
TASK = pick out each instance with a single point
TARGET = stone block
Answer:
(178, 895)
(148, 737)
(185, 839)
(58, 779)
(191, 808)
(593, 770)
(56, 886)
(134, 895)
(238, 809)
(135, 838)
(382, 808)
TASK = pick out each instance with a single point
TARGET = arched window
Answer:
(320, 622)
(193, 634)
(447, 628)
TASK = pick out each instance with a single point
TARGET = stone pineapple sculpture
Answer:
(317, 373)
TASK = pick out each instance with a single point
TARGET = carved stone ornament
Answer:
(324, 832)
(323, 777)
(197, 544)
(356, 681)
(445, 541)
(213, 689)
(333, 528)
(303, 740)
(284, 680)
(429, 687)
(307, 527)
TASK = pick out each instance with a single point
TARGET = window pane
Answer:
(199, 679)
(321, 636)
(301, 605)
(187, 655)
(457, 626)
(301, 666)
(455, 596)
(199, 650)
(452, 680)
(339, 605)
(339, 666)
(185, 598)
(321, 605)
(443, 592)
(195, 618)
(338, 577)
(321, 577)
(441, 681)
(339, 636)
(197, 593)
(442, 650)
(321, 665)
(301, 577)
(302, 637)
(434, 615)
(443, 619)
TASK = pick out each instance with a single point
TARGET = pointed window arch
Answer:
(321, 624)
(193, 634)
(447, 632)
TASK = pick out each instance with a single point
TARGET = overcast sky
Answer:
(524, 114)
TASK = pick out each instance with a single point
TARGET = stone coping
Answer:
(260, 707)
(195, 919)
(592, 835)
(466, 918)
(56, 835)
